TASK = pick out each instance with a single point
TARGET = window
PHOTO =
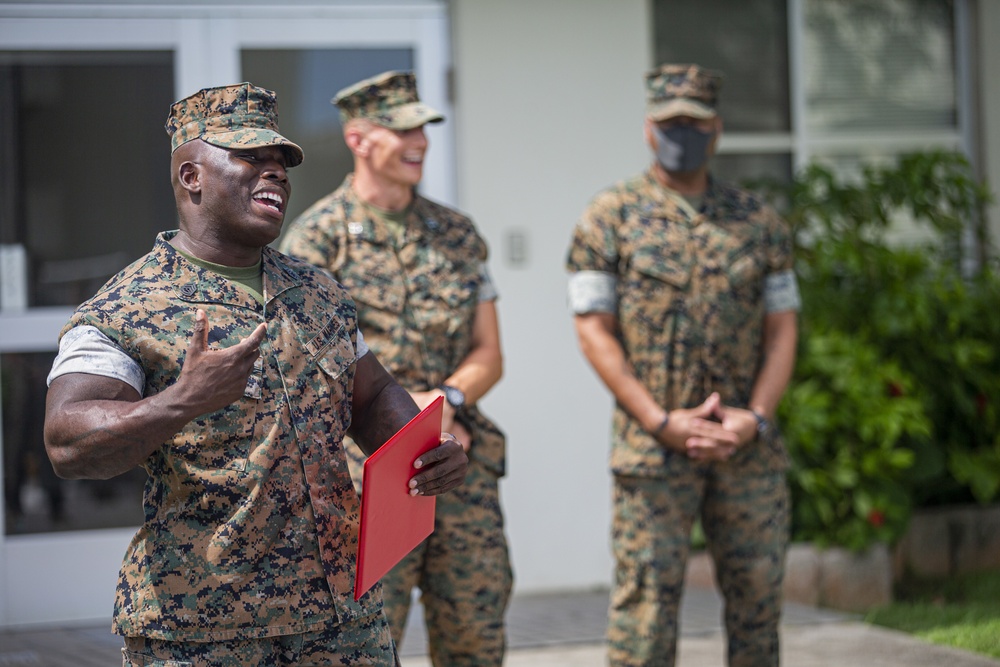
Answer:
(883, 65)
(81, 208)
(844, 82)
(722, 36)
(76, 211)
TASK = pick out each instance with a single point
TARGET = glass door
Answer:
(85, 102)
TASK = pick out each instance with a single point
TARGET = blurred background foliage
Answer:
(893, 405)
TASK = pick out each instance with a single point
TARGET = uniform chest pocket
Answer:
(662, 265)
(744, 268)
(332, 348)
(445, 295)
(375, 280)
(654, 281)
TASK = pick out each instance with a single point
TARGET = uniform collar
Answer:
(667, 202)
(362, 224)
(194, 284)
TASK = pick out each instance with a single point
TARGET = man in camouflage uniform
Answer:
(417, 271)
(231, 373)
(686, 306)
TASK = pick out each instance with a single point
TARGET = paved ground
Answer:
(829, 644)
(559, 630)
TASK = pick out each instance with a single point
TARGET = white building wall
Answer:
(549, 102)
(988, 26)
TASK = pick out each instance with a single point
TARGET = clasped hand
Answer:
(710, 431)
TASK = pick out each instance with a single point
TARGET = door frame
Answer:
(69, 577)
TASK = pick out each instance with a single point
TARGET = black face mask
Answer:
(682, 148)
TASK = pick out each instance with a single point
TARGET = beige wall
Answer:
(989, 110)
(548, 110)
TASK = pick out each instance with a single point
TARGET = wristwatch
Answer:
(453, 395)
(762, 423)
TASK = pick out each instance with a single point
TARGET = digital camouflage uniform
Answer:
(246, 554)
(416, 296)
(251, 520)
(690, 307)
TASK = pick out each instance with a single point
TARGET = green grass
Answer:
(962, 612)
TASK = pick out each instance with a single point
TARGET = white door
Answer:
(86, 187)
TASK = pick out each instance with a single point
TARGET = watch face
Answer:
(454, 396)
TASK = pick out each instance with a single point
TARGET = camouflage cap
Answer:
(237, 116)
(681, 90)
(389, 99)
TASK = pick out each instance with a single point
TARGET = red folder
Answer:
(392, 521)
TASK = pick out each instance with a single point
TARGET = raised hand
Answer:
(211, 379)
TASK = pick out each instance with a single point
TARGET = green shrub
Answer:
(893, 402)
(846, 417)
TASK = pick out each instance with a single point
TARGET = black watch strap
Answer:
(454, 396)
(762, 423)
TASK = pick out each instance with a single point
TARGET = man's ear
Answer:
(189, 176)
(714, 143)
(647, 132)
(356, 140)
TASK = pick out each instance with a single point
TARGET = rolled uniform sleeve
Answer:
(781, 289)
(361, 347)
(593, 292)
(593, 258)
(781, 292)
(85, 349)
(487, 288)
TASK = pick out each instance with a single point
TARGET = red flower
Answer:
(876, 518)
(895, 390)
(981, 403)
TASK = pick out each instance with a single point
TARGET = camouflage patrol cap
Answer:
(237, 116)
(389, 99)
(681, 90)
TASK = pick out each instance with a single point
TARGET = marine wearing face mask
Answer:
(685, 303)
(682, 123)
(682, 147)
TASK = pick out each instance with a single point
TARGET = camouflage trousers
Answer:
(746, 524)
(464, 575)
(364, 641)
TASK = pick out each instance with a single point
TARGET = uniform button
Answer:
(188, 290)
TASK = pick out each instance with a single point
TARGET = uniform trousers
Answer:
(464, 575)
(745, 518)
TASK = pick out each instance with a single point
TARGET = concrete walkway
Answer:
(559, 630)
(568, 630)
(835, 644)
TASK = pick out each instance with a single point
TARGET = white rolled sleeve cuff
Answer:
(84, 349)
(593, 292)
(781, 292)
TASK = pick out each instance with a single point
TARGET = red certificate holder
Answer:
(392, 521)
